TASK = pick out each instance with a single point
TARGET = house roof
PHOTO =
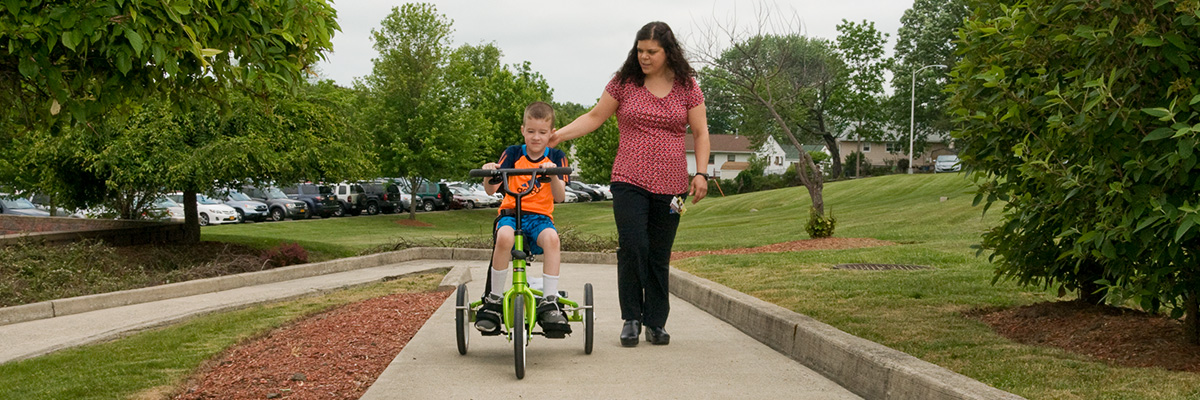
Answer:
(722, 144)
(735, 166)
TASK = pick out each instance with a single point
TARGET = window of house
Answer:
(711, 158)
(778, 160)
(732, 158)
(866, 147)
(892, 147)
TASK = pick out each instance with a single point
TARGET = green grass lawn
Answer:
(918, 312)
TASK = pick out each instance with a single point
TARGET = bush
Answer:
(820, 226)
(284, 255)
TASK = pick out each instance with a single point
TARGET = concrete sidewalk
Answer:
(707, 358)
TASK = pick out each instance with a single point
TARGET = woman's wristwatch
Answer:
(702, 174)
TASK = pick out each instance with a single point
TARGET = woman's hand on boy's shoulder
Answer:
(490, 165)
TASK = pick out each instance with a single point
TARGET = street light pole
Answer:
(912, 116)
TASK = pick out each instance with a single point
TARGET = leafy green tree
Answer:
(1081, 117)
(860, 46)
(421, 126)
(500, 93)
(782, 76)
(68, 61)
(594, 153)
(926, 37)
(292, 136)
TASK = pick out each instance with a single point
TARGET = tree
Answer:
(73, 66)
(289, 137)
(926, 37)
(784, 75)
(500, 93)
(1081, 117)
(66, 62)
(860, 46)
(421, 126)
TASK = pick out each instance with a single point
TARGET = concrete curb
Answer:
(868, 369)
(81, 304)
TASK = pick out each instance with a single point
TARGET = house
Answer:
(885, 153)
(731, 154)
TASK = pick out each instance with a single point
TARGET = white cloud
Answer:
(577, 45)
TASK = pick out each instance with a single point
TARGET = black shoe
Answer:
(487, 319)
(656, 335)
(551, 318)
(630, 333)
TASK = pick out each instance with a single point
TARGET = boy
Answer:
(536, 222)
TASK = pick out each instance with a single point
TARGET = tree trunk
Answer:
(1090, 272)
(1191, 318)
(191, 218)
(831, 143)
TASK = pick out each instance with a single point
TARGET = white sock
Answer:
(499, 281)
(549, 285)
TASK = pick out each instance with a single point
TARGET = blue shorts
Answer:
(532, 225)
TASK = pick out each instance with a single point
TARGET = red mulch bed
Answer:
(1120, 336)
(798, 245)
(334, 355)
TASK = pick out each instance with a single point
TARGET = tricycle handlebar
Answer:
(521, 171)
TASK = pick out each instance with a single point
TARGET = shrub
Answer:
(284, 255)
(820, 226)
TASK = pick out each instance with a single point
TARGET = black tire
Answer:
(241, 216)
(462, 318)
(372, 208)
(339, 212)
(589, 319)
(470, 205)
(203, 219)
(518, 335)
(428, 205)
(277, 214)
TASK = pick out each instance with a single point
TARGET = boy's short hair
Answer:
(539, 110)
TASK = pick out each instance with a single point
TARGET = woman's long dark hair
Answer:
(661, 32)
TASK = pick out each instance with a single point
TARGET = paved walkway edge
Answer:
(868, 369)
(81, 304)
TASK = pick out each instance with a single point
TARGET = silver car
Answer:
(248, 209)
(947, 163)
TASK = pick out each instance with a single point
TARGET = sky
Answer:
(578, 45)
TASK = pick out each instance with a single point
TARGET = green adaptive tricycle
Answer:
(520, 300)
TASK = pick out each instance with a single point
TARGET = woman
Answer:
(656, 98)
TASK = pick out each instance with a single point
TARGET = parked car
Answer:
(165, 208)
(946, 163)
(581, 196)
(432, 196)
(592, 193)
(210, 211)
(319, 198)
(490, 200)
(352, 198)
(247, 208)
(385, 197)
(470, 199)
(42, 202)
(603, 189)
(279, 205)
(12, 205)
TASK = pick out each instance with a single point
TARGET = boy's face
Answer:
(537, 133)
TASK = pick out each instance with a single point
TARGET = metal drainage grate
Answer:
(880, 267)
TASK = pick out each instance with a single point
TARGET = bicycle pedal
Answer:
(555, 334)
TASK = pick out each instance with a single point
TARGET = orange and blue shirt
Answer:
(541, 199)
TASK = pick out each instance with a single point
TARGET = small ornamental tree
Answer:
(1081, 117)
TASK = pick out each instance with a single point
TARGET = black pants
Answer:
(645, 232)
